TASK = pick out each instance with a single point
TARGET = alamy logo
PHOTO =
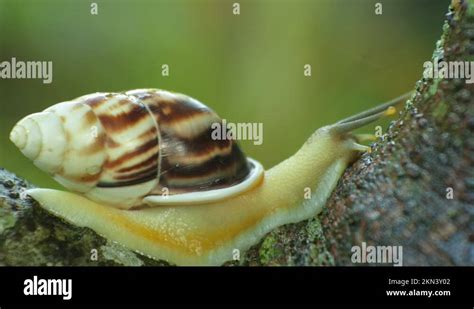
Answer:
(16, 69)
(449, 69)
(35, 286)
(377, 254)
(240, 131)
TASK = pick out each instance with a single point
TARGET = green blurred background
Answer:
(248, 68)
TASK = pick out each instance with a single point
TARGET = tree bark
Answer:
(397, 195)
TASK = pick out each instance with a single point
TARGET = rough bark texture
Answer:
(398, 195)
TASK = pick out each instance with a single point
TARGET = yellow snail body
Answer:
(121, 151)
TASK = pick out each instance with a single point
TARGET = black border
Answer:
(237, 285)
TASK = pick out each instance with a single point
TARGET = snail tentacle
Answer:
(361, 148)
(365, 137)
(380, 108)
(346, 127)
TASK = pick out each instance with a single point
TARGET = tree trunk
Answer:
(415, 189)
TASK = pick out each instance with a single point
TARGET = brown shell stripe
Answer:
(190, 159)
(217, 171)
(132, 140)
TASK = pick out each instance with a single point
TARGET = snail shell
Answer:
(134, 148)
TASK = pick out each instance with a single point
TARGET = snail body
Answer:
(227, 205)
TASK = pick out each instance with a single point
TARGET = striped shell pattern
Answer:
(117, 148)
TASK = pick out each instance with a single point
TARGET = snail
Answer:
(146, 173)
